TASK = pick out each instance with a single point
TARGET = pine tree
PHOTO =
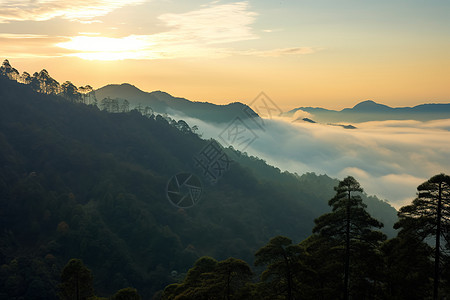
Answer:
(429, 216)
(76, 281)
(350, 226)
(282, 259)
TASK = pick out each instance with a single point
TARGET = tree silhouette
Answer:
(25, 78)
(105, 104)
(7, 70)
(228, 277)
(183, 126)
(147, 112)
(139, 108)
(193, 285)
(87, 94)
(70, 92)
(349, 225)
(429, 216)
(209, 279)
(76, 281)
(282, 260)
(127, 294)
(42, 82)
(325, 265)
(125, 106)
(407, 268)
(114, 105)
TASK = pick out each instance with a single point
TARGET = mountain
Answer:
(162, 102)
(79, 182)
(369, 106)
(371, 111)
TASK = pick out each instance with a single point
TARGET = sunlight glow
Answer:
(106, 48)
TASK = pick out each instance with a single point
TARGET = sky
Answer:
(328, 53)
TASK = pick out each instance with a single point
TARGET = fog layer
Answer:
(390, 158)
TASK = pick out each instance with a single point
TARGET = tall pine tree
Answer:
(429, 217)
(282, 259)
(349, 227)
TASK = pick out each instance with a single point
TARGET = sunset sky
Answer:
(329, 53)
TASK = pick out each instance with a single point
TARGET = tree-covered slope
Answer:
(79, 182)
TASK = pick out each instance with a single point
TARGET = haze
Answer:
(389, 158)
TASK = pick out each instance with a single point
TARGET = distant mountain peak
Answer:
(128, 86)
(122, 85)
(370, 105)
(122, 90)
(160, 92)
(367, 102)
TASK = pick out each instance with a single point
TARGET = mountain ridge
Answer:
(370, 110)
(163, 102)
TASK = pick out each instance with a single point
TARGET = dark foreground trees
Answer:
(77, 284)
(210, 280)
(429, 217)
(346, 257)
(282, 276)
(127, 294)
(348, 233)
(406, 268)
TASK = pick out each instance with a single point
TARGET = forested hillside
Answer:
(78, 182)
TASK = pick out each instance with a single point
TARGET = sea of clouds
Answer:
(389, 158)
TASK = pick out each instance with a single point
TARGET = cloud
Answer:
(390, 159)
(213, 24)
(21, 36)
(41, 10)
(300, 115)
(29, 46)
(192, 34)
(88, 33)
(280, 52)
(272, 30)
(205, 32)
